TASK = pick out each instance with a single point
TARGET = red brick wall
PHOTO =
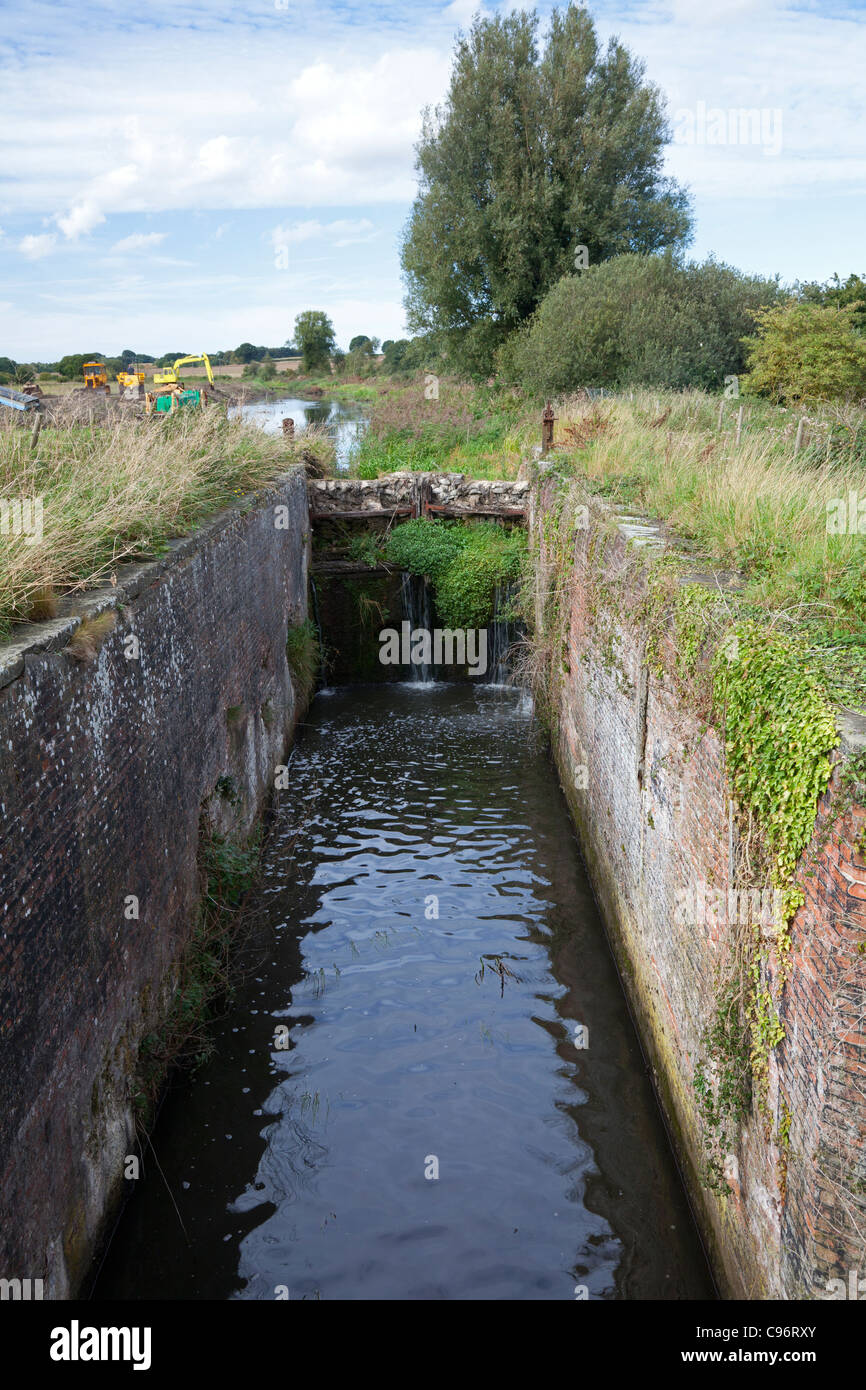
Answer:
(654, 818)
(105, 769)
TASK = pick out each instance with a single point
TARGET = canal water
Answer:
(345, 421)
(463, 1109)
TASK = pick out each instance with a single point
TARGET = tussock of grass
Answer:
(121, 489)
(752, 507)
(304, 656)
(90, 635)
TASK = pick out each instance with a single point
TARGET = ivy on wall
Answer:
(764, 689)
(780, 730)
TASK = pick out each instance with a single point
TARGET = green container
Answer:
(163, 403)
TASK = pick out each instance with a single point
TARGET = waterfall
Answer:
(416, 610)
(317, 620)
(502, 632)
(501, 635)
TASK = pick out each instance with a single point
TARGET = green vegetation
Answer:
(228, 871)
(753, 507)
(314, 335)
(481, 431)
(838, 293)
(780, 731)
(303, 652)
(121, 490)
(538, 160)
(806, 352)
(464, 563)
(639, 320)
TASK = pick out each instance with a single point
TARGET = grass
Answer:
(120, 490)
(303, 653)
(466, 564)
(483, 432)
(757, 506)
(752, 507)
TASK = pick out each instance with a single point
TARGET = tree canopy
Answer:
(314, 335)
(534, 155)
(806, 352)
(649, 320)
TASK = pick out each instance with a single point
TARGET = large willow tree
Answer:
(535, 153)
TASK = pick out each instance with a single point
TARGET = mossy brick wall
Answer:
(655, 818)
(106, 767)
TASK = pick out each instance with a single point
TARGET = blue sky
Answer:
(193, 174)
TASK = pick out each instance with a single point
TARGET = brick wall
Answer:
(106, 767)
(654, 815)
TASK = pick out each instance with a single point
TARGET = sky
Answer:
(191, 174)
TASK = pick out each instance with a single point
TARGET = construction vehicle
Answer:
(167, 402)
(135, 378)
(95, 377)
(170, 376)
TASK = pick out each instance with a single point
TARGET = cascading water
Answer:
(501, 635)
(416, 611)
(315, 597)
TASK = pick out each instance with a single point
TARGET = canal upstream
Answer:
(345, 421)
(463, 1109)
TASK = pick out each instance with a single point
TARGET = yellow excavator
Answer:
(170, 376)
(95, 376)
(135, 378)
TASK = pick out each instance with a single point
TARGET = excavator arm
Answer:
(198, 357)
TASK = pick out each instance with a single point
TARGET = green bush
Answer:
(805, 352)
(638, 320)
(303, 653)
(464, 563)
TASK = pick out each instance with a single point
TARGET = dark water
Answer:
(345, 421)
(414, 1037)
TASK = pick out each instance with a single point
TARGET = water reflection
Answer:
(345, 421)
(430, 948)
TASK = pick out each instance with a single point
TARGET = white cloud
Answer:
(342, 232)
(138, 241)
(686, 12)
(81, 218)
(336, 133)
(35, 247)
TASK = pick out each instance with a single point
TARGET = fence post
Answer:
(547, 429)
(799, 440)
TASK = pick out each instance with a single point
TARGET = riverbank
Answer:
(92, 497)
